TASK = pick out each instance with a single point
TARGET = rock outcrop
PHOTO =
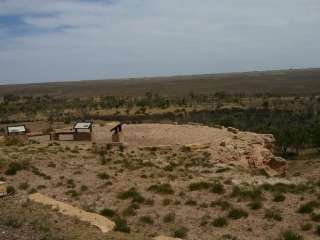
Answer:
(253, 151)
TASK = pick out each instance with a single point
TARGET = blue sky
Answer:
(63, 40)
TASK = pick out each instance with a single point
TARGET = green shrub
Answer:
(315, 217)
(121, 225)
(130, 210)
(161, 189)
(279, 197)
(103, 176)
(290, 235)
(15, 167)
(24, 186)
(308, 207)
(180, 232)
(132, 194)
(146, 220)
(273, 214)
(255, 205)
(218, 188)
(223, 204)
(11, 190)
(220, 222)
(237, 213)
(306, 226)
(197, 186)
(246, 194)
(170, 217)
(191, 202)
(107, 212)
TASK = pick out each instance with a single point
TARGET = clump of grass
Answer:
(217, 187)
(121, 225)
(237, 213)
(220, 222)
(180, 232)
(197, 186)
(24, 186)
(223, 204)
(306, 227)
(15, 167)
(290, 235)
(12, 221)
(72, 193)
(273, 214)
(191, 202)
(36, 171)
(11, 190)
(315, 217)
(146, 220)
(161, 189)
(130, 210)
(132, 194)
(71, 183)
(107, 212)
(246, 194)
(103, 176)
(255, 205)
(83, 188)
(308, 207)
(279, 197)
(168, 218)
(288, 188)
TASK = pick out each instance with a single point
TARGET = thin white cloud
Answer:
(100, 39)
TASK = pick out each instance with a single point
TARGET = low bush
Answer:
(308, 207)
(218, 188)
(237, 213)
(15, 167)
(11, 190)
(220, 222)
(146, 220)
(168, 218)
(223, 204)
(255, 205)
(132, 194)
(107, 212)
(279, 197)
(290, 235)
(273, 214)
(103, 176)
(161, 189)
(121, 225)
(306, 226)
(180, 232)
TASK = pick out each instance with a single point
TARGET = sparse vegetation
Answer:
(237, 213)
(161, 188)
(290, 235)
(273, 214)
(220, 222)
(180, 232)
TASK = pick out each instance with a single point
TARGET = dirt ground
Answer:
(160, 186)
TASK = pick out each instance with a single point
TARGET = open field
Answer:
(284, 82)
(187, 181)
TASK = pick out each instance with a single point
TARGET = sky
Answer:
(65, 40)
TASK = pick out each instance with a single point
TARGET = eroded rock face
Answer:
(253, 151)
